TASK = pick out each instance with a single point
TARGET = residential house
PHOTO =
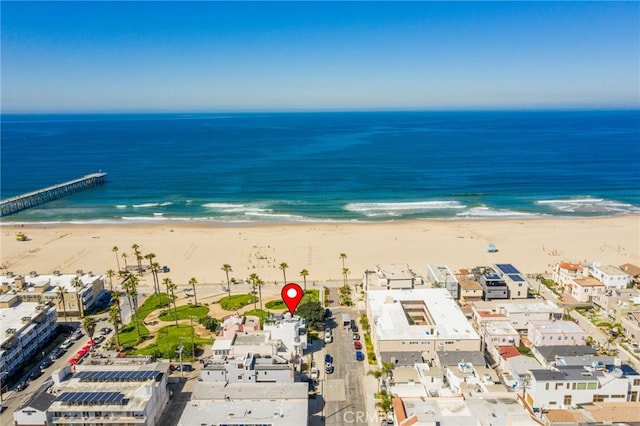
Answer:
(556, 333)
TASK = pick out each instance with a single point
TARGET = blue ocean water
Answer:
(341, 166)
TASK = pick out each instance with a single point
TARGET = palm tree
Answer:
(60, 292)
(115, 250)
(115, 301)
(138, 255)
(193, 283)
(226, 268)
(155, 268)
(252, 279)
(76, 282)
(385, 403)
(115, 318)
(131, 287)
(387, 368)
(110, 275)
(150, 257)
(283, 267)
(345, 272)
(304, 274)
(89, 324)
(171, 287)
(124, 257)
(343, 256)
(259, 284)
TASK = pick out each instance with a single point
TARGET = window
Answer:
(567, 400)
(559, 385)
(546, 386)
(636, 382)
(592, 386)
(582, 386)
(599, 398)
(618, 396)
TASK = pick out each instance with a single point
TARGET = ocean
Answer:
(326, 167)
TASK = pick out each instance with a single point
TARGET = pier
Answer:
(22, 202)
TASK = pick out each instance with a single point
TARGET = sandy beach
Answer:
(199, 250)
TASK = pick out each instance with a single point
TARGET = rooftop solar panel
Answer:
(516, 277)
(92, 376)
(91, 397)
(507, 268)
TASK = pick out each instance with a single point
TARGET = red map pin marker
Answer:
(291, 296)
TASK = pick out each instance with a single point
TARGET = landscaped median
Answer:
(237, 301)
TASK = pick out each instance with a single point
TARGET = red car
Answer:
(357, 345)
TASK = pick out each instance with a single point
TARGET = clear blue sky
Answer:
(216, 56)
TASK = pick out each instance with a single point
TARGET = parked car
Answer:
(46, 363)
(99, 339)
(327, 313)
(66, 344)
(356, 336)
(76, 335)
(183, 367)
(359, 356)
(328, 368)
(328, 359)
(357, 345)
(315, 374)
(21, 386)
(354, 327)
(56, 353)
(105, 330)
(328, 337)
(35, 374)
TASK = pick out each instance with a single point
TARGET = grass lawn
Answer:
(129, 336)
(277, 305)
(237, 301)
(168, 338)
(184, 312)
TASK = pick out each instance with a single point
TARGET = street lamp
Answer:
(180, 349)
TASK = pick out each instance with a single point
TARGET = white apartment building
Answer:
(611, 276)
(290, 331)
(129, 394)
(631, 326)
(251, 368)
(499, 333)
(516, 281)
(409, 326)
(273, 404)
(565, 272)
(572, 386)
(583, 289)
(517, 313)
(441, 276)
(25, 327)
(391, 276)
(556, 333)
(81, 290)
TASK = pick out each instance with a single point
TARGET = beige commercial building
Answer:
(410, 326)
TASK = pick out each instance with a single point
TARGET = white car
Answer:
(66, 344)
(328, 338)
(315, 374)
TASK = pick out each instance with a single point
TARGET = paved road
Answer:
(343, 390)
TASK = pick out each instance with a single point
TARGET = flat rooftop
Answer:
(52, 281)
(396, 271)
(244, 412)
(11, 318)
(557, 326)
(589, 282)
(390, 310)
(442, 273)
(468, 412)
(249, 391)
(500, 327)
(468, 283)
(610, 270)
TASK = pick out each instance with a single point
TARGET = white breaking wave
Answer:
(487, 212)
(236, 208)
(121, 206)
(399, 209)
(589, 205)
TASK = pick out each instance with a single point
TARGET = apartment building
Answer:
(80, 291)
(556, 333)
(569, 386)
(250, 368)
(409, 326)
(126, 394)
(611, 276)
(441, 276)
(25, 327)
